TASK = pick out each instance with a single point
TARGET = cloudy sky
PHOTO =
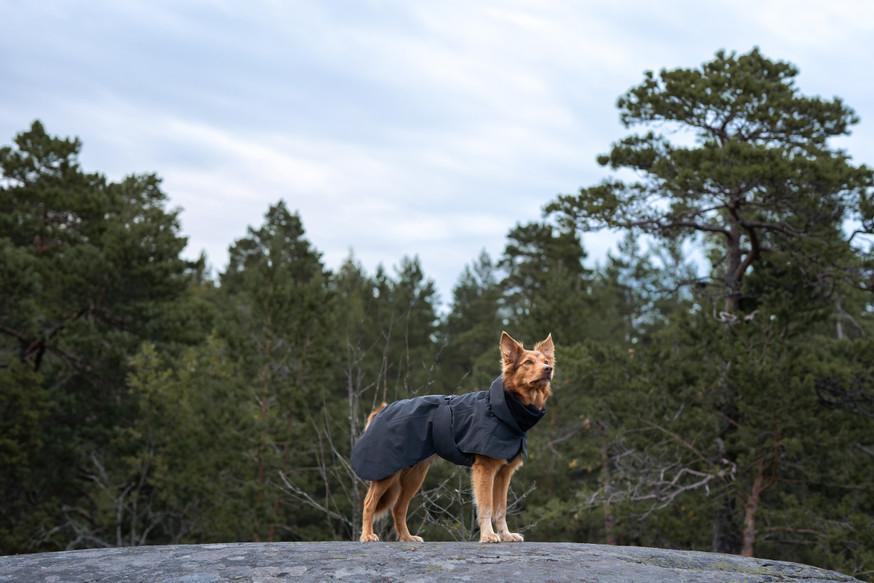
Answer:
(394, 127)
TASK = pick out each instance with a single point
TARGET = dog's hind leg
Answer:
(485, 469)
(502, 484)
(410, 482)
(380, 497)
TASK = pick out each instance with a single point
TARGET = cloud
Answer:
(395, 128)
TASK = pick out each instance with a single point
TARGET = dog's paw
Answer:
(412, 539)
(369, 538)
(512, 537)
(489, 537)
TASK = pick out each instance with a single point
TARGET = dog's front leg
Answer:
(502, 484)
(484, 471)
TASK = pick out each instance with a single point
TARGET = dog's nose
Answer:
(547, 368)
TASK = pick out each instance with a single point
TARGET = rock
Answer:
(386, 562)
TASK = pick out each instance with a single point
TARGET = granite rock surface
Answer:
(389, 562)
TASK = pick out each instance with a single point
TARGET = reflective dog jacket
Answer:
(492, 423)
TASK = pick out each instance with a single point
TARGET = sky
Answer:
(395, 128)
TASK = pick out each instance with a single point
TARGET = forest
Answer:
(714, 384)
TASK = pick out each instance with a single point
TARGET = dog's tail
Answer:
(372, 415)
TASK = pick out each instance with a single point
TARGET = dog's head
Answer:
(527, 373)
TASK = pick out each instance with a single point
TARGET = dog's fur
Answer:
(527, 373)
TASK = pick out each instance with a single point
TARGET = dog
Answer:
(486, 430)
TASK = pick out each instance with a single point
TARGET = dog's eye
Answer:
(529, 361)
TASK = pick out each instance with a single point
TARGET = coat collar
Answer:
(501, 410)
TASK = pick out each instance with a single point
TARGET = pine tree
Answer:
(91, 269)
(278, 320)
(545, 286)
(473, 326)
(760, 176)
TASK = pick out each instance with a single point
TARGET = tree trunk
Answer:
(609, 520)
(725, 539)
(264, 404)
(752, 505)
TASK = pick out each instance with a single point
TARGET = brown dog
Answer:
(517, 399)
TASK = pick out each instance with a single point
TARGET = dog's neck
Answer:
(541, 395)
(526, 416)
(535, 397)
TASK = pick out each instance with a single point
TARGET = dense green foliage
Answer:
(732, 410)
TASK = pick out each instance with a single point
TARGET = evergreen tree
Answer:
(473, 325)
(545, 287)
(760, 176)
(763, 188)
(91, 269)
(24, 408)
(187, 463)
(407, 320)
(636, 292)
(278, 320)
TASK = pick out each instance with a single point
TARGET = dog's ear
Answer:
(546, 347)
(510, 349)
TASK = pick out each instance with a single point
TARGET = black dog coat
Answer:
(492, 423)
